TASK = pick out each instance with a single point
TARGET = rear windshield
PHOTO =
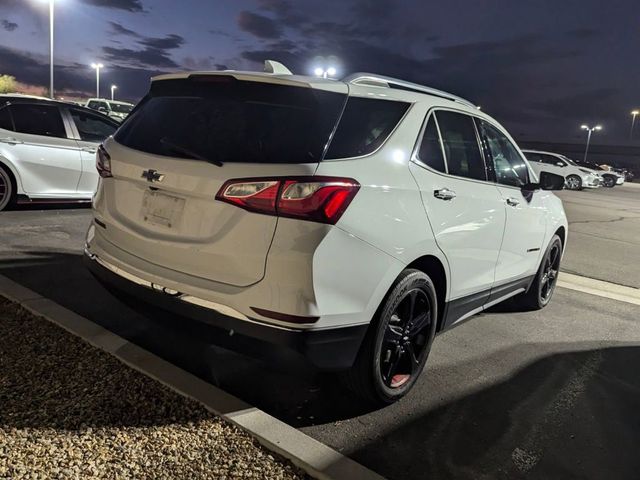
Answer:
(223, 119)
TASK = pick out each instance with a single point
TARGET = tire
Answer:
(7, 188)
(573, 182)
(541, 290)
(397, 344)
(608, 181)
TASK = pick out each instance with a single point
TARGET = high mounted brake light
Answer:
(318, 199)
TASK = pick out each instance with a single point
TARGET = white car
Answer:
(111, 108)
(611, 177)
(350, 221)
(47, 150)
(576, 177)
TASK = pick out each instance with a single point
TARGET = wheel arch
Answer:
(8, 166)
(432, 266)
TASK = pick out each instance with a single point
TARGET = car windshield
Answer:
(121, 108)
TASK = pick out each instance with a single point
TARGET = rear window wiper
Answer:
(177, 148)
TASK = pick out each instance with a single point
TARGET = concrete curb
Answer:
(314, 457)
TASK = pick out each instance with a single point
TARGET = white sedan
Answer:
(575, 176)
(47, 150)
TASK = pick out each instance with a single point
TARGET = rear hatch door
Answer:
(184, 141)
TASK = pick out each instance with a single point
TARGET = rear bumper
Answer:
(327, 349)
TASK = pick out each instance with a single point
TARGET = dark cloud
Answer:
(128, 5)
(259, 25)
(8, 25)
(584, 33)
(155, 54)
(169, 42)
(118, 29)
(149, 57)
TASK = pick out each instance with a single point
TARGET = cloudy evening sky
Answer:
(541, 67)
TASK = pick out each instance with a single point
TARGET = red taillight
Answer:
(319, 199)
(103, 162)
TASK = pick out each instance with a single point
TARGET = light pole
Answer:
(113, 89)
(325, 73)
(51, 15)
(589, 130)
(633, 122)
(97, 67)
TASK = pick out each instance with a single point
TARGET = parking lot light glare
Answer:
(325, 73)
(589, 130)
(633, 122)
(97, 67)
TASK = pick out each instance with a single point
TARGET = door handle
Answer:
(512, 202)
(444, 194)
(11, 141)
(90, 149)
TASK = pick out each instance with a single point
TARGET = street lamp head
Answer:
(598, 127)
(113, 87)
(635, 112)
(584, 127)
(331, 71)
(97, 65)
(318, 72)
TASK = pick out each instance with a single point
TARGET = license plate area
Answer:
(161, 209)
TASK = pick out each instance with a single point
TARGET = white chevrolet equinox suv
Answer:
(350, 221)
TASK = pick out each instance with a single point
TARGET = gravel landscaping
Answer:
(69, 410)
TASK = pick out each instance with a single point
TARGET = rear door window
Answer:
(92, 127)
(462, 151)
(5, 119)
(37, 119)
(365, 124)
(228, 120)
(430, 151)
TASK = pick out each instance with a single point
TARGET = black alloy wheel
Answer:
(543, 285)
(395, 350)
(405, 339)
(550, 270)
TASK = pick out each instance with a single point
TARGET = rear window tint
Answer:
(221, 118)
(36, 119)
(430, 152)
(365, 125)
(5, 119)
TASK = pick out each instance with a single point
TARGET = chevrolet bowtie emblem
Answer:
(152, 175)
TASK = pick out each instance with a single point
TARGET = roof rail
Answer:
(371, 79)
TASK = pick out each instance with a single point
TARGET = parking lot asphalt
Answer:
(506, 395)
(604, 229)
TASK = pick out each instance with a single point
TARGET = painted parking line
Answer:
(314, 457)
(599, 288)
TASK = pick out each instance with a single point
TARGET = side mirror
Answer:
(551, 181)
(548, 181)
(560, 164)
